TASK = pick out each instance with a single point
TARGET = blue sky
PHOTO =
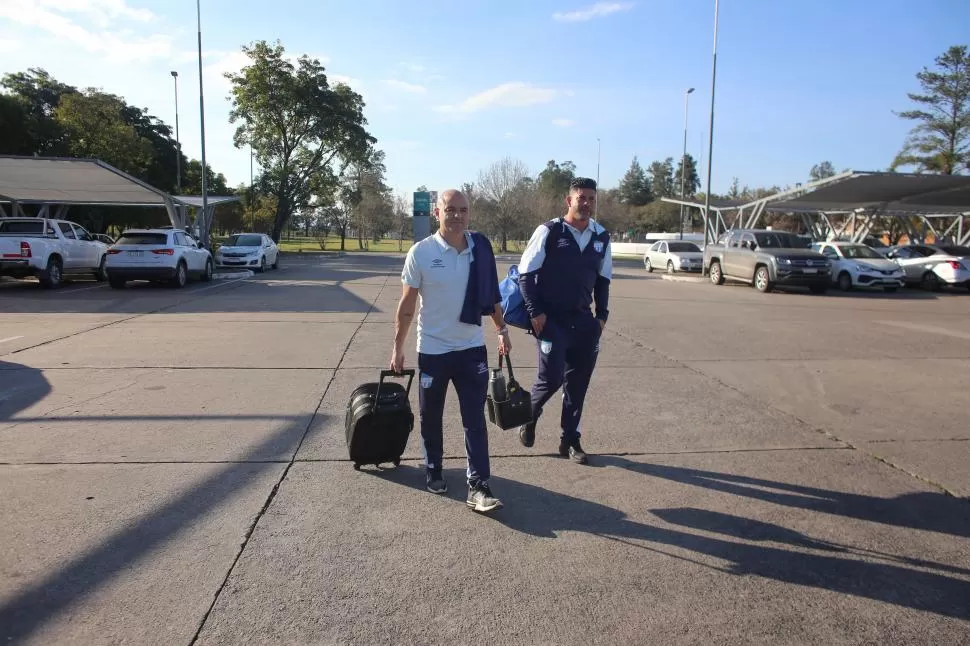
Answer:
(452, 87)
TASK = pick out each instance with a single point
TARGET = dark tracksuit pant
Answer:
(567, 349)
(468, 370)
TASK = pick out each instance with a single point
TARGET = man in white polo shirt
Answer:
(454, 274)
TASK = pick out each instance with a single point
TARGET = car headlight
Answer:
(863, 267)
(784, 261)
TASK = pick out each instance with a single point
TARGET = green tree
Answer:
(821, 171)
(940, 143)
(662, 179)
(634, 189)
(691, 180)
(297, 124)
(15, 136)
(554, 179)
(40, 94)
(95, 127)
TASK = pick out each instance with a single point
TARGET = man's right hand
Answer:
(538, 323)
(397, 361)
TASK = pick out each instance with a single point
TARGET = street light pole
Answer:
(683, 164)
(710, 144)
(204, 229)
(178, 144)
(599, 149)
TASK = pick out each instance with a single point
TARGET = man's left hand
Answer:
(504, 343)
(602, 324)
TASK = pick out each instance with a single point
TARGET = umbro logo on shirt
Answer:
(437, 262)
(563, 242)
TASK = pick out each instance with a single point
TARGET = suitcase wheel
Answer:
(397, 462)
(356, 466)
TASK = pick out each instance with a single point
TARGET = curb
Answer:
(231, 275)
(684, 279)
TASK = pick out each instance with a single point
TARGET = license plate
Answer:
(811, 271)
(135, 253)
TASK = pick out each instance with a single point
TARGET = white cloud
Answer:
(509, 95)
(404, 86)
(597, 10)
(120, 45)
(563, 123)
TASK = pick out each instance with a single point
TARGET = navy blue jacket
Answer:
(481, 291)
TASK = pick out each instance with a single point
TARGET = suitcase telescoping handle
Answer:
(390, 373)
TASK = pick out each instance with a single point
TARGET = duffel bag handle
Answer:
(508, 360)
(390, 373)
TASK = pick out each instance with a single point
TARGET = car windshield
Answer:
(143, 238)
(781, 240)
(244, 240)
(682, 246)
(858, 251)
(955, 250)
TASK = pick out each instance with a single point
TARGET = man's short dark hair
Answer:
(581, 183)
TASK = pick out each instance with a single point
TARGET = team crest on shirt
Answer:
(598, 247)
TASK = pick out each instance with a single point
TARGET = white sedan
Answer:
(858, 265)
(673, 255)
(253, 250)
(933, 266)
(169, 255)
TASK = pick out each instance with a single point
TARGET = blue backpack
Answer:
(513, 304)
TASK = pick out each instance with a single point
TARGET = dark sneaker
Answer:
(572, 450)
(480, 498)
(436, 483)
(527, 434)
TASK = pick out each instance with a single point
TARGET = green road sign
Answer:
(422, 202)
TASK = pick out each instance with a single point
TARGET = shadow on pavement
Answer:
(25, 388)
(61, 589)
(935, 512)
(545, 514)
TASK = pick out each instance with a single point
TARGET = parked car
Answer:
(255, 250)
(673, 255)
(857, 265)
(49, 249)
(163, 255)
(932, 266)
(766, 258)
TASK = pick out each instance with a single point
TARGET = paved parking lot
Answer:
(766, 468)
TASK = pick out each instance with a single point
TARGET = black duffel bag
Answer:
(509, 405)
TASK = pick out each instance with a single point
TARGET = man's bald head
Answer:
(452, 211)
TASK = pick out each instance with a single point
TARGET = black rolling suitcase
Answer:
(379, 421)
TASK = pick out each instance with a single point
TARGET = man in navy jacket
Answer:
(453, 272)
(565, 270)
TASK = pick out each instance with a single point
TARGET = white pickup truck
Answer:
(49, 249)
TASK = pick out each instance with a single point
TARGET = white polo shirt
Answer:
(440, 273)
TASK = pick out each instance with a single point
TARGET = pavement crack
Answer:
(286, 470)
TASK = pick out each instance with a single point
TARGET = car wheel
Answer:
(181, 275)
(276, 261)
(207, 274)
(715, 271)
(762, 281)
(930, 282)
(53, 275)
(262, 265)
(845, 281)
(648, 265)
(101, 274)
(670, 266)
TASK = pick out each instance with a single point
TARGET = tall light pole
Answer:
(178, 143)
(683, 163)
(204, 229)
(599, 150)
(710, 144)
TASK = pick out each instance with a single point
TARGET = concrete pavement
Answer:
(779, 468)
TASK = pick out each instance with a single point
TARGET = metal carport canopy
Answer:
(881, 191)
(82, 182)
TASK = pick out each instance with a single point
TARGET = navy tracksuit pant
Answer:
(468, 370)
(568, 347)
